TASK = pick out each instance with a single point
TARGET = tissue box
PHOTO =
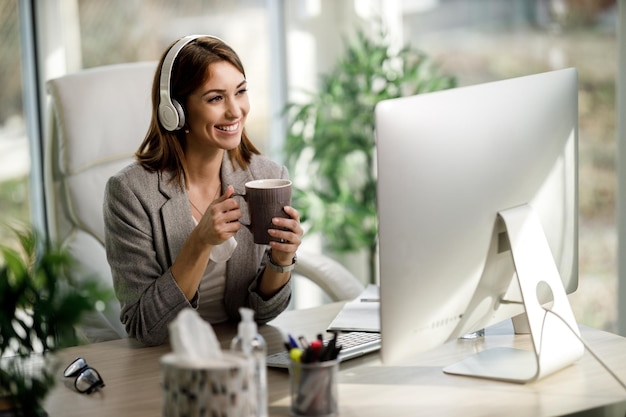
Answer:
(211, 388)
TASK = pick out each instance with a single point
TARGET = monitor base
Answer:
(554, 333)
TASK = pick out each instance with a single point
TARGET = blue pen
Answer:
(293, 342)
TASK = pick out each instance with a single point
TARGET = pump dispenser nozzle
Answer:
(247, 326)
(252, 345)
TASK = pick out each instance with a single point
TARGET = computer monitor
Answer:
(478, 220)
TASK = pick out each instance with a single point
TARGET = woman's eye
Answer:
(215, 99)
(242, 91)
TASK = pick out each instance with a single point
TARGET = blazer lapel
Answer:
(175, 215)
(237, 178)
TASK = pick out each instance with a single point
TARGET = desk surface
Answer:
(366, 387)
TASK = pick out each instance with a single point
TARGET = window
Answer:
(476, 41)
(128, 31)
(486, 40)
(14, 149)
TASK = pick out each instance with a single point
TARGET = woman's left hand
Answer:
(290, 239)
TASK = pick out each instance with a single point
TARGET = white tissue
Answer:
(193, 339)
(223, 251)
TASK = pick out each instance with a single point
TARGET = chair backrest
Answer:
(99, 117)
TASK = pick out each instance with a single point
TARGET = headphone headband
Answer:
(170, 112)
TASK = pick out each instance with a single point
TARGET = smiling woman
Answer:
(172, 230)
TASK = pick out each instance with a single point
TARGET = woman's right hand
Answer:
(221, 219)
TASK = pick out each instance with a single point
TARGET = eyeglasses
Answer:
(87, 378)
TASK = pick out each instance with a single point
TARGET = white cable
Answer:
(597, 358)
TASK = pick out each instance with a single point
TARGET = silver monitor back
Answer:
(448, 162)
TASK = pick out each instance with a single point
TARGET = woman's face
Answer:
(216, 112)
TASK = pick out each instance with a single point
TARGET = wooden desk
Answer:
(367, 388)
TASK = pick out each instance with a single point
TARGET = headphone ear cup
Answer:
(181, 114)
(168, 116)
(172, 115)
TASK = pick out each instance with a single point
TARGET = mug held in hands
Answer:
(266, 199)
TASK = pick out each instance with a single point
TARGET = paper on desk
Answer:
(361, 314)
(193, 339)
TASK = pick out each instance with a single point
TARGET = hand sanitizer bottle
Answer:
(252, 345)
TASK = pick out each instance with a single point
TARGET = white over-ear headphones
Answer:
(170, 112)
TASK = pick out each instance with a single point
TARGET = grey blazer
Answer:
(147, 221)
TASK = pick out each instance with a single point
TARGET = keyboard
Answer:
(353, 344)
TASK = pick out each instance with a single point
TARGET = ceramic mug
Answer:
(266, 199)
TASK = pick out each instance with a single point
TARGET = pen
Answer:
(292, 341)
(336, 352)
(328, 353)
(295, 354)
(312, 353)
(303, 342)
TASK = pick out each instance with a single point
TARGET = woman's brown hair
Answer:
(162, 150)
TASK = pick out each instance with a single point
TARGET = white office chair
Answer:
(98, 118)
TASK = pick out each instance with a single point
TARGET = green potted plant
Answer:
(40, 305)
(330, 147)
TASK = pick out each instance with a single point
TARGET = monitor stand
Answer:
(553, 329)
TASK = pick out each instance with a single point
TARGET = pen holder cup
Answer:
(314, 388)
(216, 388)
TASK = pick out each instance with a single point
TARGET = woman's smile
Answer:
(228, 128)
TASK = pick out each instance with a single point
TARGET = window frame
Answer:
(32, 13)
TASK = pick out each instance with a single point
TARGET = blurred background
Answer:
(286, 46)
